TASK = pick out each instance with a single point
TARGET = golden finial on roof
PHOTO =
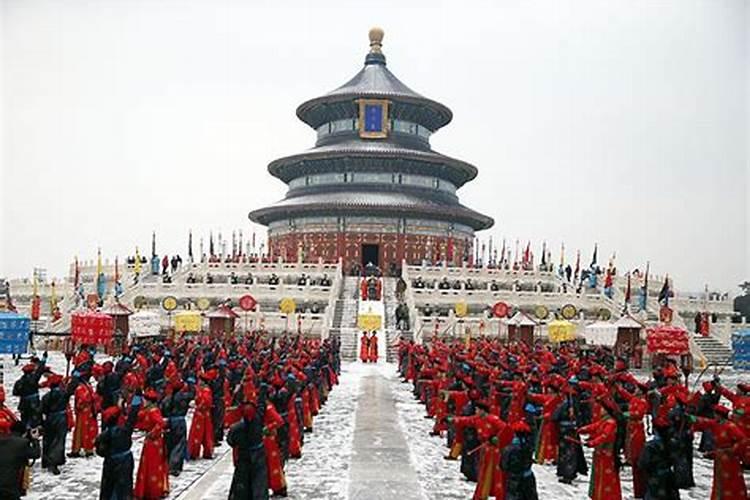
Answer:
(376, 40)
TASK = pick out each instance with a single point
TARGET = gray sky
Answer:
(618, 122)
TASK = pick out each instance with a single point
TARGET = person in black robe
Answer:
(174, 407)
(516, 461)
(113, 444)
(18, 447)
(656, 463)
(250, 478)
(55, 422)
(218, 408)
(27, 389)
(570, 459)
(705, 409)
(470, 461)
(108, 386)
(280, 400)
(681, 447)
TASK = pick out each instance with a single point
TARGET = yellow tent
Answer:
(188, 321)
(561, 331)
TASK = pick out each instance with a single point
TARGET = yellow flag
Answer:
(52, 298)
(137, 268)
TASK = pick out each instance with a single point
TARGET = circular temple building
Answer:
(372, 190)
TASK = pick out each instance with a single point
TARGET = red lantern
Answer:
(500, 310)
(248, 303)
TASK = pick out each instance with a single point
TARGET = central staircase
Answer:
(344, 325)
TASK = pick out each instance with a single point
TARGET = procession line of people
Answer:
(503, 407)
(263, 393)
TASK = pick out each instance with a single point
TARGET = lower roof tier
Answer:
(372, 202)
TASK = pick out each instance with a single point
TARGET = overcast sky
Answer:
(618, 122)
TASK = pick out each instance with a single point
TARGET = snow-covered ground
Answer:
(323, 472)
(443, 479)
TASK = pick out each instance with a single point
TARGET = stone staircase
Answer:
(713, 350)
(345, 318)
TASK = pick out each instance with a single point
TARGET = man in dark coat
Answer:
(250, 479)
(27, 389)
(17, 450)
(218, 409)
(55, 422)
(570, 460)
(114, 445)
(656, 462)
(108, 387)
(516, 461)
(174, 407)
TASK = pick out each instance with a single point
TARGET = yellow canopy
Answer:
(561, 331)
(188, 321)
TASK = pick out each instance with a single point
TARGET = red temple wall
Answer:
(393, 247)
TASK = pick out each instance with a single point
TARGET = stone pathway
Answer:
(380, 465)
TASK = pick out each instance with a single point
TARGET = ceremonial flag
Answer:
(544, 253)
(515, 261)
(502, 254)
(483, 249)
(489, 252)
(36, 301)
(644, 290)
(137, 267)
(239, 244)
(627, 292)
(117, 271)
(190, 245)
(562, 255)
(234, 244)
(211, 244)
(76, 274)
(153, 244)
(101, 280)
(593, 258)
(253, 245)
(664, 292)
(52, 300)
(578, 264)
(527, 253)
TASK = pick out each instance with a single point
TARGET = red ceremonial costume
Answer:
(271, 422)
(364, 348)
(152, 479)
(728, 481)
(546, 447)
(494, 435)
(86, 427)
(202, 429)
(373, 354)
(604, 483)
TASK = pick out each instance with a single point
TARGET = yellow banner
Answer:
(561, 331)
(369, 322)
(188, 322)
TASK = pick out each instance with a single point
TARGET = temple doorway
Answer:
(370, 255)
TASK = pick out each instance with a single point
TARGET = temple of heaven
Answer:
(372, 190)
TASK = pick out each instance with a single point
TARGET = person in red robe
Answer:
(604, 483)
(635, 437)
(276, 478)
(201, 429)
(363, 289)
(741, 413)
(546, 449)
(86, 427)
(152, 478)
(295, 435)
(494, 435)
(364, 348)
(730, 439)
(6, 414)
(373, 351)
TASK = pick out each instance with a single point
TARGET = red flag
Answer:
(527, 254)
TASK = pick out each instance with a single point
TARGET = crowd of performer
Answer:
(259, 394)
(504, 407)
